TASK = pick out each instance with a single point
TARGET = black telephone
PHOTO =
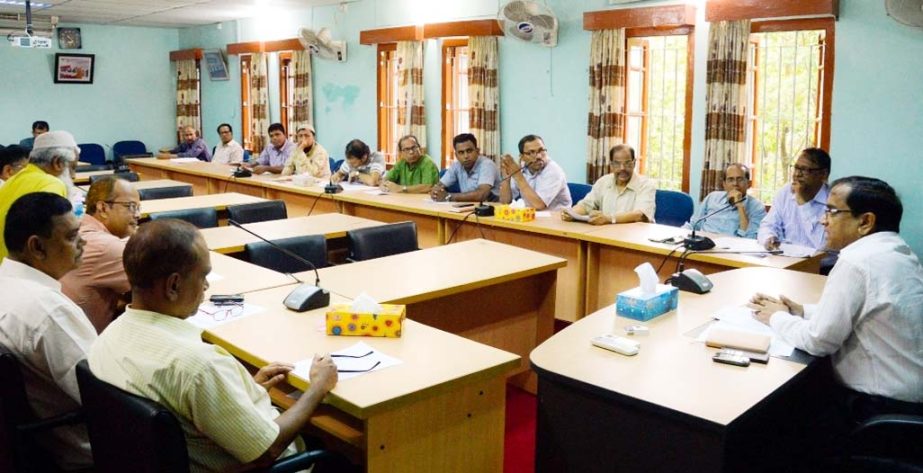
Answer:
(691, 280)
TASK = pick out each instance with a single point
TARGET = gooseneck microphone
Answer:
(483, 210)
(701, 243)
(304, 297)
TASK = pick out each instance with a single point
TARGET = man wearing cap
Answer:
(309, 157)
(52, 167)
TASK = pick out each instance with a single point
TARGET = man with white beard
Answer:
(52, 167)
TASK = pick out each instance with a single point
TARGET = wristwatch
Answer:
(448, 197)
(404, 189)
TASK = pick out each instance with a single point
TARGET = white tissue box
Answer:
(341, 320)
(635, 305)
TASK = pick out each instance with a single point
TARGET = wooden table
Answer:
(489, 292)
(83, 177)
(442, 409)
(670, 407)
(233, 276)
(232, 239)
(218, 201)
(152, 184)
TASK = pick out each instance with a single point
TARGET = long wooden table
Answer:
(233, 276)
(671, 407)
(151, 184)
(232, 239)
(219, 202)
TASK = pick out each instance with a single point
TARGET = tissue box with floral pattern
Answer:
(513, 214)
(341, 320)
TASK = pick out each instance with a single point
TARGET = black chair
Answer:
(131, 433)
(94, 167)
(127, 175)
(258, 211)
(92, 153)
(884, 443)
(122, 149)
(384, 240)
(19, 451)
(203, 218)
(310, 247)
(165, 192)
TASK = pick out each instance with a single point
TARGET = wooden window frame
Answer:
(448, 91)
(285, 105)
(245, 142)
(383, 84)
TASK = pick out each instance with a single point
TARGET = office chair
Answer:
(333, 165)
(94, 167)
(92, 153)
(246, 157)
(165, 192)
(18, 450)
(128, 176)
(258, 211)
(384, 240)
(336, 165)
(578, 191)
(310, 247)
(673, 208)
(202, 218)
(131, 433)
(122, 149)
(884, 443)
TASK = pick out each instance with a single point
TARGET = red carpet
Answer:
(519, 444)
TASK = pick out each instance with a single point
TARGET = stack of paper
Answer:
(741, 319)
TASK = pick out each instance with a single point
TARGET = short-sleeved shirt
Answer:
(727, 221)
(226, 416)
(197, 149)
(30, 179)
(375, 164)
(640, 194)
(550, 184)
(27, 143)
(315, 162)
(100, 280)
(483, 172)
(793, 223)
(230, 153)
(272, 156)
(423, 171)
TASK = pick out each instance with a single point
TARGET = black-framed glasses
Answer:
(796, 169)
(132, 207)
(833, 211)
(360, 371)
(738, 179)
(412, 149)
(624, 164)
(535, 152)
(351, 356)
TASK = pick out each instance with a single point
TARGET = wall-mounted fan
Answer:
(908, 12)
(322, 45)
(529, 21)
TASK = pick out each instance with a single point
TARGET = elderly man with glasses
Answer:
(622, 196)
(731, 211)
(795, 216)
(539, 182)
(414, 173)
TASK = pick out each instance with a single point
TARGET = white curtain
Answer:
(606, 120)
(259, 103)
(303, 104)
(187, 95)
(411, 119)
(484, 94)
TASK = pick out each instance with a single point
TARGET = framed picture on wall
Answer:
(73, 68)
(214, 62)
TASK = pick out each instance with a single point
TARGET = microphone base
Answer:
(307, 297)
(241, 172)
(484, 210)
(333, 188)
(698, 243)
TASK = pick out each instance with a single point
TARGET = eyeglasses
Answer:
(833, 211)
(132, 207)
(535, 152)
(412, 149)
(356, 356)
(223, 312)
(739, 179)
(803, 170)
(624, 164)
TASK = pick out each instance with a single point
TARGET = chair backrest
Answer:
(246, 157)
(203, 218)
(578, 191)
(94, 167)
(258, 211)
(333, 164)
(128, 148)
(385, 240)
(128, 432)
(336, 165)
(310, 247)
(128, 176)
(454, 188)
(92, 153)
(673, 208)
(165, 192)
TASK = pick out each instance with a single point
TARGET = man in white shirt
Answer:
(48, 332)
(540, 182)
(868, 318)
(361, 165)
(228, 151)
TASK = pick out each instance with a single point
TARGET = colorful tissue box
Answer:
(634, 305)
(505, 212)
(341, 320)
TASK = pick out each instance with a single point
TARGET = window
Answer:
(454, 95)
(387, 101)
(286, 92)
(658, 89)
(245, 101)
(790, 71)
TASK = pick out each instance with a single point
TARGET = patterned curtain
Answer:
(484, 94)
(302, 112)
(606, 120)
(259, 103)
(725, 100)
(187, 95)
(410, 113)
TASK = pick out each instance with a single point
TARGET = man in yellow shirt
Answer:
(52, 167)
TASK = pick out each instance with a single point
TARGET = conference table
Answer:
(670, 407)
(151, 184)
(219, 202)
(229, 239)
(83, 177)
(233, 276)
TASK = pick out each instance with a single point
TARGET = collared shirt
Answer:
(230, 153)
(550, 184)
(315, 162)
(27, 142)
(226, 416)
(868, 319)
(639, 194)
(100, 280)
(49, 335)
(728, 221)
(375, 164)
(423, 171)
(31, 179)
(272, 156)
(793, 223)
(483, 172)
(198, 149)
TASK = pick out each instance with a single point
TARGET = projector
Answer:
(26, 41)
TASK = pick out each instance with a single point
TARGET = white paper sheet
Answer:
(576, 216)
(184, 160)
(367, 357)
(353, 187)
(741, 318)
(796, 251)
(210, 315)
(542, 214)
(213, 277)
(750, 245)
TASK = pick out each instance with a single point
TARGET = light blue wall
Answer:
(220, 98)
(131, 96)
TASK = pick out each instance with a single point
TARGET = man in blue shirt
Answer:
(191, 147)
(741, 215)
(38, 127)
(477, 176)
(795, 216)
(277, 153)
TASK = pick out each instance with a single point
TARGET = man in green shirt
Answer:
(415, 173)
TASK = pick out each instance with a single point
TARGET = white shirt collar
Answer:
(13, 268)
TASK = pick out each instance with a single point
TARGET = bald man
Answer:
(191, 147)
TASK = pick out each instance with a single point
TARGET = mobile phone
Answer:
(463, 205)
(669, 240)
(226, 299)
(753, 356)
(729, 359)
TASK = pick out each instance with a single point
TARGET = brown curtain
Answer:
(484, 94)
(725, 100)
(259, 103)
(302, 108)
(188, 109)
(411, 118)
(606, 120)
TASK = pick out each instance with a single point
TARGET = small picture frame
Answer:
(73, 68)
(69, 38)
(217, 67)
